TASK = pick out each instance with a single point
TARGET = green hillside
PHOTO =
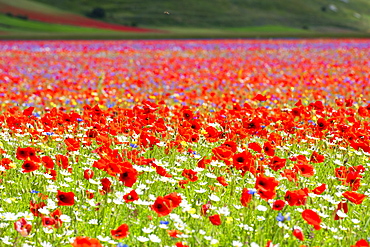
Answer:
(13, 24)
(317, 15)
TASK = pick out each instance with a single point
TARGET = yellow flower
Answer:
(203, 132)
(229, 220)
(192, 211)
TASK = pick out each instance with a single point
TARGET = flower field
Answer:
(185, 143)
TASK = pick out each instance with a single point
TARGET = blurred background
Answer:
(183, 19)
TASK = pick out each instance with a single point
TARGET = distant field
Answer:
(216, 143)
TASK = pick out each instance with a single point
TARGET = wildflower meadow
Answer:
(185, 143)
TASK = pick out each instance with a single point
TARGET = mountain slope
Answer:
(24, 9)
(304, 14)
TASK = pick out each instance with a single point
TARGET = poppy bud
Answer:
(298, 234)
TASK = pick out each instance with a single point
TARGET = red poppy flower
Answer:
(48, 221)
(213, 135)
(298, 234)
(255, 147)
(296, 197)
(343, 206)
(65, 198)
(28, 111)
(23, 227)
(89, 194)
(162, 206)
(243, 159)
(161, 171)
(61, 161)
(113, 168)
(353, 179)
(180, 244)
(249, 165)
(341, 172)
(120, 232)
(86, 242)
(222, 181)
(22, 153)
(278, 205)
(72, 144)
(319, 190)
(354, 197)
(174, 233)
(182, 183)
(317, 158)
(52, 173)
(269, 149)
(312, 218)
(260, 97)
(215, 219)
(223, 153)
(5, 162)
(205, 208)
(128, 176)
(276, 163)
(322, 124)
(305, 169)
(30, 166)
(203, 162)
(361, 243)
(34, 208)
(230, 144)
(88, 174)
(266, 183)
(296, 111)
(48, 162)
(266, 194)
(358, 168)
(317, 105)
(32, 155)
(56, 216)
(187, 114)
(190, 174)
(174, 199)
(246, 197)
(130, 197)
(106, 183)
(252, 126)
(92, 133)
(289, 174)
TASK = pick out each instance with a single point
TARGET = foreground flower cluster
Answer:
(185, 143)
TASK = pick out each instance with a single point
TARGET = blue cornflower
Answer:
(282, 218)
(133, 145)
(252, 192)
(35, 191)
(122, 245)
(164, 222)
